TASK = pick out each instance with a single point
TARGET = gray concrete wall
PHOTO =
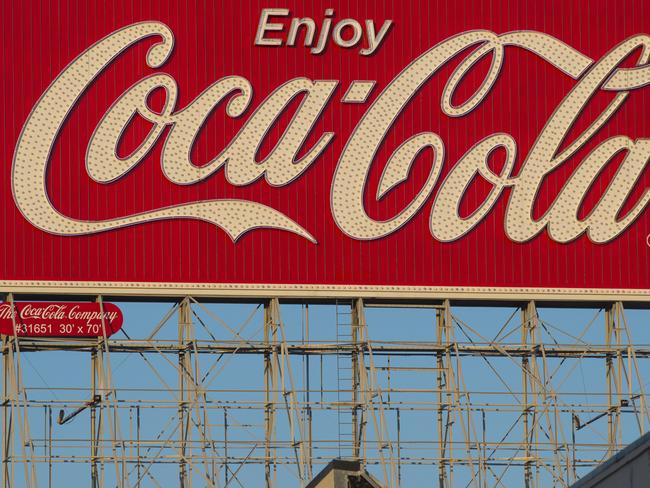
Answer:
(629, 468)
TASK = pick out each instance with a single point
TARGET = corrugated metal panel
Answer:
(214, 40)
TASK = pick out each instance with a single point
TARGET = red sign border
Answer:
(319, 291)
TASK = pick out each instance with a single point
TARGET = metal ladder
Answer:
(344, 378)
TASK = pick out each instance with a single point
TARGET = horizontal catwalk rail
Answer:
(395, 348)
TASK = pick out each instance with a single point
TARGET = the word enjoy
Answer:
(346, 33)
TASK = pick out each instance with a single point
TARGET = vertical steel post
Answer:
(139, 462)
(225, 444)
(94, 431)
(439, 367)
(399, 446)
(267, 398)
(310, 453)
(270, 388)
(7, 421)
(357, 313)
(618, 335)
(184, 332)
(443, 324)
(530, 380)
(613, 375)
(49, 446)
(524, 396)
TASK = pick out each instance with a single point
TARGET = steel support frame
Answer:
(539, 412)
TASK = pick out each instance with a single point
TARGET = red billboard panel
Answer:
(327, 148)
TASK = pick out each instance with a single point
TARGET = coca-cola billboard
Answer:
(424, 149)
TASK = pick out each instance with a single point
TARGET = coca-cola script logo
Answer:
(281, 166)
